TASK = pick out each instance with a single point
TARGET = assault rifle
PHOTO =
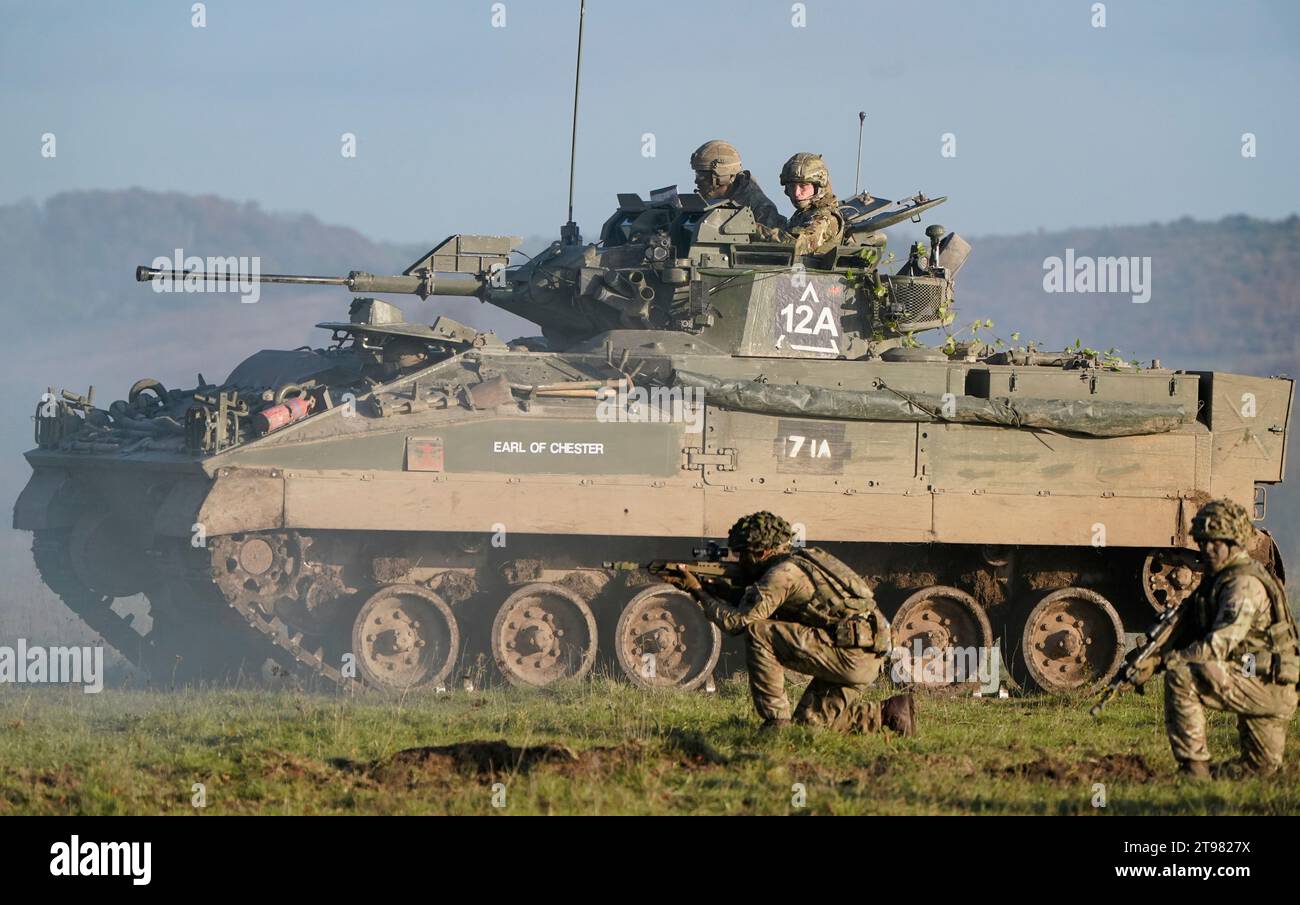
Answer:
(1157, 640)
(712, 563)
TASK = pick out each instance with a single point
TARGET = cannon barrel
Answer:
(423, 284)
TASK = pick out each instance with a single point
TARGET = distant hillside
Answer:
(74, 258)
(1225, 295)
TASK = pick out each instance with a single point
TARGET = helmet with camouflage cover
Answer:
(809, 168)
(716, 156)
(760, 531)
(716, 164)
(806, 167)
(1223, 520)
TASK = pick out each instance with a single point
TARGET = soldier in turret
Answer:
(806, 611)
(719, 175)
(817, 225)
(1237, 651)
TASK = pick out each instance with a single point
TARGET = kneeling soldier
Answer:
(806, 611)
(1242, 656)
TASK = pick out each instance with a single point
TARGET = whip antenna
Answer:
(862, 119)
(569, 234)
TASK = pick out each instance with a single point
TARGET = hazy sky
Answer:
(464, 127)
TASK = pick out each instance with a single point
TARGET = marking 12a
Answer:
(808, 312)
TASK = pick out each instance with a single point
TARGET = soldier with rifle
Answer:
(1230, 646)
(806, 611)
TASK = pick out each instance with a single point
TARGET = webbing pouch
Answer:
(1287, 669)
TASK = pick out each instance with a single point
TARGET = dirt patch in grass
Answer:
(1128, 767)
(482, 758)
(466, 757)
(696, 750)
(58, 786)
(494, 758)
(885, 765)
(269, 764)
(60, 778)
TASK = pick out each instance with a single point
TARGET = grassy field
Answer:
(600, 747)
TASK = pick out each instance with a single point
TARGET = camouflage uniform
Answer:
(814, 230)
(1244, 660)
(744, 190)
(817, 225)
(793, 617)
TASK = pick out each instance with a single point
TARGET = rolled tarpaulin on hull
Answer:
(1091, 417)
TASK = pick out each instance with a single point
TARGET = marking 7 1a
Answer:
(817, 448)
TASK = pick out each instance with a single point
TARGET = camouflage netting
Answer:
(760, 531)
(1223, 520)
(1092, 418)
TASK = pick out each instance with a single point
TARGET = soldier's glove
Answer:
(683, 578)
(689, 581)
(673, 578)
(1145, 670)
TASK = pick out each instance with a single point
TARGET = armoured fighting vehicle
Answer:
(415, 505)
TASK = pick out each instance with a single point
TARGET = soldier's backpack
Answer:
(843, 603)
(1280, 662)
(1282, 633)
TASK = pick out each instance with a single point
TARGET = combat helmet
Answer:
(810, 168)
(718, 157)
(760, 531)
(716, 164)
(1223, 520)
